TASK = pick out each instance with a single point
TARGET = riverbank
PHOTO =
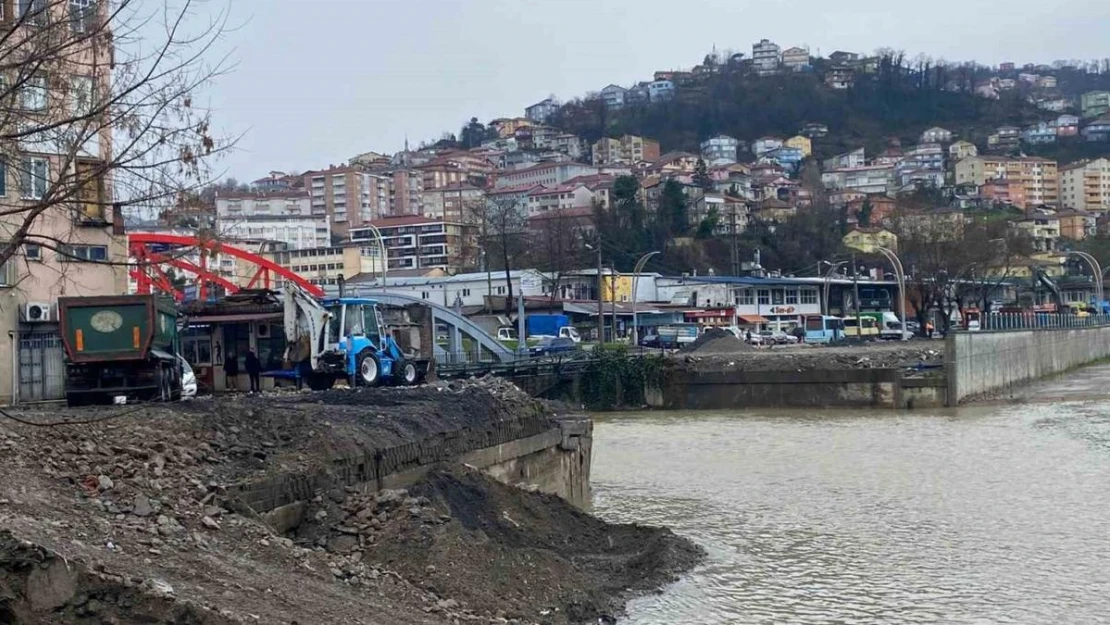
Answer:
(131, 516)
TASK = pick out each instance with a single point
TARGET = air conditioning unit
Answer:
(37, 312)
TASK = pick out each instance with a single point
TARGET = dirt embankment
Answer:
(126, 519)
(730, 354)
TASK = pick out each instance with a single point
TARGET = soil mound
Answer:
(716, 341)
(497, 551)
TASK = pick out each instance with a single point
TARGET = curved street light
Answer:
(385, 253)
(828, 276)
(635, 284)
(900, 275)
(1096, 272)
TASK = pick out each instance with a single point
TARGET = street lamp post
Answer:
(828, 276)
(384, 253)
(900, 275)
(1096, 270)
(635, 284)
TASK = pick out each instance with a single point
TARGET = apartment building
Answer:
(548, 174)
(543, 110)
(805, 144)
(1039, 176)
(285, 217)
(414, 242)
(454, 202)
(348, 197)
(324, 265)
(867, 179)
(720, 150)
(795, 59)
(1085, 186)
(73, 243)
(627, 150)
(766, 57)
(1094, 103)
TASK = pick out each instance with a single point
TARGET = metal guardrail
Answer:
(1040, 321)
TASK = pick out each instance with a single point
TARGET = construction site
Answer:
(460, 502)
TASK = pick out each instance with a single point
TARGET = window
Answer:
(8, 275)
(809, 296)
(745, 297)
(32, 11)
(33, 178)
(32, 97)
(32, 251)
(81, 94)
(82, 15)
(90, 194)
(83, 253)
(791, 296)
(764, 297)
(196, 346)
(3, 171)
(776, 297)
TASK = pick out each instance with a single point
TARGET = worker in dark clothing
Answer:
(231, 372)
(254, 370)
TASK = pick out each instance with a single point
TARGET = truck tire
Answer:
(320, 381)
(406, 373)
(369, 371)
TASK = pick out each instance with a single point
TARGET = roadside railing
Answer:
(1039, 321)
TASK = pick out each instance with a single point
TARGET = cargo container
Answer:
(120, 346)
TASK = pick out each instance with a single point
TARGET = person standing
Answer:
(231, 372)
(254, 370)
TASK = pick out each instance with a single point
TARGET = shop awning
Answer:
(269, 316)
(752, 319)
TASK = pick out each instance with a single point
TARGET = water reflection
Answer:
(998, 514)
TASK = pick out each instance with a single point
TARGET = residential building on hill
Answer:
(285, 217)
(865, 179)
(961, 150)
(456, 202)
(1085, 186)
(542, 111)
(1039, 176)
(1006, 138)
(276, 181)
(840, 77)
(414, 242)
(324, 265)
(1003, 192)
(936, 134)
(548, 174)
(613, 96)
(814, 130)
(855, 158)
(1094, 103)
(660, 90)
(766, 57)
(1039, 133)
(763, 145)
(720, 150)
(628, 150)
(1042, 228)
(1066, 125)
(1098, 130)
(1077, 225)
(802, 143)
(348, 196)
(795, 59)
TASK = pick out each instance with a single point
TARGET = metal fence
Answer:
(41, 367)
(1037, 321)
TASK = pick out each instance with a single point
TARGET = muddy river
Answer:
(992, 514)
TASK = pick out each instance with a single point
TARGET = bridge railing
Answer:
(1040, 321)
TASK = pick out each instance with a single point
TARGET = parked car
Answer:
(549, 346)
(776, 337)
(188, 380)
(650, 340)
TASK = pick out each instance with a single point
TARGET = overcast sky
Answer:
(318, 81)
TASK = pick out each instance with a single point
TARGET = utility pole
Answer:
(855, 297)
(600, 302)
(613, 304)
(735, 251)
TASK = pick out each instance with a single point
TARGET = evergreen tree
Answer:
(701, 176)
(673, 209)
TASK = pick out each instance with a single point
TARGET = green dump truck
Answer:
(120, 346)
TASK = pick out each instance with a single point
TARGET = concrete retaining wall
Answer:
(985, 362)
(537, 452)
(865, 388)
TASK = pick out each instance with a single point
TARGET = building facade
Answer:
(627, 150)
(413, 242)
(1085, 186)
(285, 217)
(1038, 176)
(766, 57)
(1094, 103)
(720, 150)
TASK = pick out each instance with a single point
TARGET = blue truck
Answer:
(554, 326)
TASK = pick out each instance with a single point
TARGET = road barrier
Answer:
(1038, 321)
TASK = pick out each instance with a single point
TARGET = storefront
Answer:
(229, 329)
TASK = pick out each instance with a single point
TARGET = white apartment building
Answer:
(1086, 186)
(720, 150)
(283, 217)
(766, 57)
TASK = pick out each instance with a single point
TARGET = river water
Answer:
(992, 514)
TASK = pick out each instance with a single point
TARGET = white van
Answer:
(891, 328)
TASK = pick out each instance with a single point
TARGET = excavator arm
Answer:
(306, 327)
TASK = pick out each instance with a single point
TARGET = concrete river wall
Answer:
(536, 452)
(818, 388)
(980, 363)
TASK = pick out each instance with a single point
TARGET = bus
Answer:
(823, 329)
(862, 327)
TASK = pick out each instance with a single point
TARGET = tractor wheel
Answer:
(369, 369)
(320, 381)
(406, 373)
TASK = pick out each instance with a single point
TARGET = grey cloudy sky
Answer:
(318, 81)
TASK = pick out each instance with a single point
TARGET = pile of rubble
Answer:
(880, 355)
(134, 503)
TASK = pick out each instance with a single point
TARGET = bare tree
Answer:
(98, 112)
(504, 237)
(557, 245)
